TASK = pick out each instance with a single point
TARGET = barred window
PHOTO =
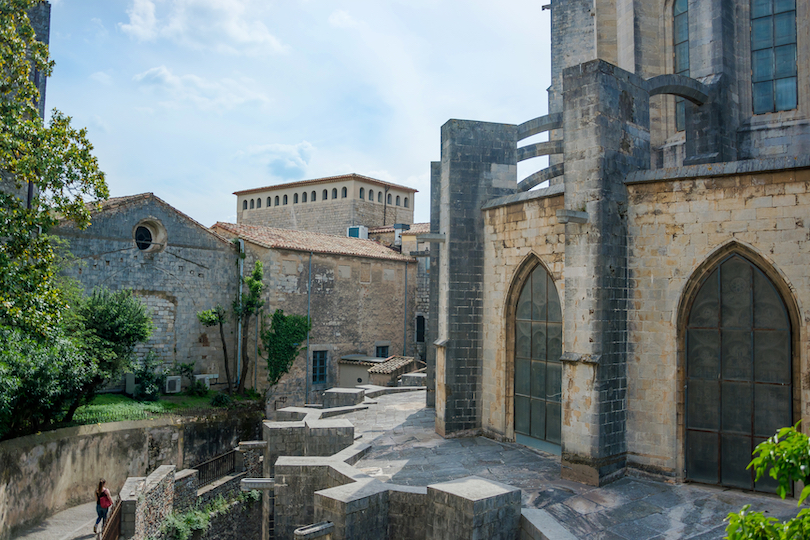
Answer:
(773, 55)
(318, 367)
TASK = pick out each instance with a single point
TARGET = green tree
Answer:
(39, 379)
(108, 326)
(282, 340)
(56, 159)
(786, 458)
(247, 306)
(213, 317)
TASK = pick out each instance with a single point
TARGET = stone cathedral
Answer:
(644, 301)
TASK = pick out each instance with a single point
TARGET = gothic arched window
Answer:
(680, 43)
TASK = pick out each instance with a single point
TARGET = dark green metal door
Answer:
(538, 371)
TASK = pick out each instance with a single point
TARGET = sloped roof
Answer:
(114, 203)
(293, 240)
(351, 176)
(392, 364)
(416, 228)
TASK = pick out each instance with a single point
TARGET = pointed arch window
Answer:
(276, 200)
(344, 193)
(244, 204)
(304, 197)
(285, 199)
(371, 195)
(334, 193)
(314, 196)
(252, 204)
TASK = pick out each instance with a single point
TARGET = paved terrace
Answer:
(406, 450)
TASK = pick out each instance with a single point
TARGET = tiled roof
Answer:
(416, 228)
(351, 176)
(310, 241)
(114, 203)
(392, 364)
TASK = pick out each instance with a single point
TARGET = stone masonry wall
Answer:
(194, 272)
(674, 227)
(516, 236)
(155, 502)
(356, 303)
(242, 521)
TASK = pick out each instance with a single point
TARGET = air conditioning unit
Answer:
(173, 384)
(204, 378)
(357, 231)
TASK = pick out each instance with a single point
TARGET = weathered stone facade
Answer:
(326, 205)
(191, 270)
(355, 303)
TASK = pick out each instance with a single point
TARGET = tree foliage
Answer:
(39, 379)
(282, 340)
(245, 307)
(217, 317)
(786, 458)
(108, 325)
(57, 159)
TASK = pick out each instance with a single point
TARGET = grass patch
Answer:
(120, 408)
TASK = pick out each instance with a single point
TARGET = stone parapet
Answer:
(185, 489)
(343, 397)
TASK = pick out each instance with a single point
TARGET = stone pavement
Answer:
(72, 524)
(406, 450)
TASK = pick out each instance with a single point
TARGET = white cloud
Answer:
(225, 26)
(101, 30)
(283, 161)
(341, 19)
(192, 90)
(142, 22)
(102, 78)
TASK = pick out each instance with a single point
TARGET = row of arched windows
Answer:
(313, 196)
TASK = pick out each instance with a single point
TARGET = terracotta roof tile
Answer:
(310, 241)
(351, 176)
(392, 364)
(416, 228)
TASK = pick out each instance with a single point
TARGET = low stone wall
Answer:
(343, 397)
(185, 489)
(242, 521)
(413, 379)
(407, 508)
(155, 502)
(45, 473)
(227, 487)
(309, 437)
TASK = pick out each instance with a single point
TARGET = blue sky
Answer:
(196, 99)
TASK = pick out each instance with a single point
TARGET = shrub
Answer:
(151, 379)
(221, 400)
(198, 389)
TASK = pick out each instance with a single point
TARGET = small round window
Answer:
(143, 238)
(149, 235)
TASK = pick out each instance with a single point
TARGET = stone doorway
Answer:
(538, 371)
(739, 377)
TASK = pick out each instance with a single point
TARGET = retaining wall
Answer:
(45, 473)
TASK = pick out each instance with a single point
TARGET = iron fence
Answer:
(215, 468)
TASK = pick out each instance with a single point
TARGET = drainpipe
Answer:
(239, 323)
(309, 303)
(385, 204)
(405, 317)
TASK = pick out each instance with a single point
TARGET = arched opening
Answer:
(244, 204)
(324, 195)
(379, 196)
(371, 195)
(398, 200)
(405, 204)
(344, 193)
(536, 317)
(362, 193)
(314, 196)
(737, 344)
(269, 202)
(252, 204)
(304, 197)
(389, 198)
(276, 200)
(259, 202)
(285, 199)
(334, 193)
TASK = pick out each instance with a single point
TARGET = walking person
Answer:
(103, 503)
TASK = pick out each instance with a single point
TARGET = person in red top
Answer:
(103, 503)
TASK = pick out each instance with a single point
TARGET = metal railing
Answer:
(214, 469)
(112, 528)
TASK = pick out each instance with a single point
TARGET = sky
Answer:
(195, 99)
